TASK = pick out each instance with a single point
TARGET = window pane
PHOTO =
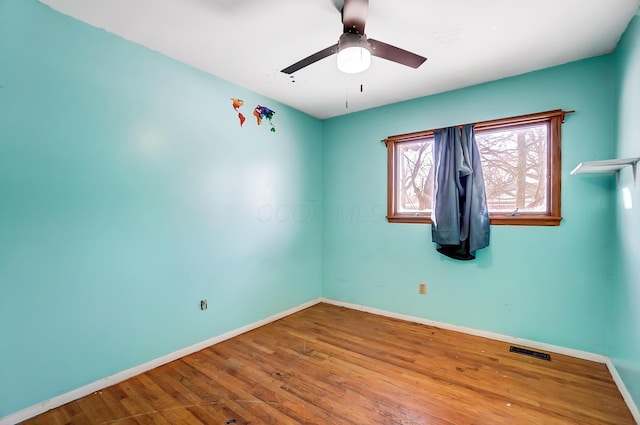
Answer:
(414, 185)
(514, 163)
(521, 163)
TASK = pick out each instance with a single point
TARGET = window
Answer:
(520, 162)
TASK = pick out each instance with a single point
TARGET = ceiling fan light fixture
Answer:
(353, 53)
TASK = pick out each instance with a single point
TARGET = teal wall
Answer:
(128, 192)
(625, 350)
(549, 284)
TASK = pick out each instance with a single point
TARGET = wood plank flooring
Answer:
(332, 365)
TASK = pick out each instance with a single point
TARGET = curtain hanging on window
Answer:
(460, 214)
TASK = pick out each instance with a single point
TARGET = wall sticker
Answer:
(260, 112)
(237, 104)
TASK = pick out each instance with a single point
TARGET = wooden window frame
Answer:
(554, 118)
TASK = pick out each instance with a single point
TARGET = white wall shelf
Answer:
(607, 166)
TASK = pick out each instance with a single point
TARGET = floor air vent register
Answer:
(531, 353)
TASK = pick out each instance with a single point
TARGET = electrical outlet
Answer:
(422, 288)
(203, 304)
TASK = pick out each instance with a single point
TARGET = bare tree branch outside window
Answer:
(520, 162)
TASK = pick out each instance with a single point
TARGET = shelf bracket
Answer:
(634, 170)
(608, 166)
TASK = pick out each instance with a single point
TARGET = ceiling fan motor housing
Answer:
(348, 39)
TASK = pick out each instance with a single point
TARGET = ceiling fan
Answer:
(354, 49)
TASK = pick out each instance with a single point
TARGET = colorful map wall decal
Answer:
(260, 112)
(237, 104)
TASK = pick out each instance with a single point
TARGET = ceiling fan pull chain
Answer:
(346, 98)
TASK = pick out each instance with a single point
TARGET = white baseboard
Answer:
(44, 406)
(485, 334)
(585, 355)
(623, 390)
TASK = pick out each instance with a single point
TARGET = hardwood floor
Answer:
(331, 365)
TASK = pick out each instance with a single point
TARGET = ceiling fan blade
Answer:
(395, 54)
(354, 15)
(331, 50)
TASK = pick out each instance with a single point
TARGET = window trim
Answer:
(555, 118)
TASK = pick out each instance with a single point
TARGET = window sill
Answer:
(495, 219)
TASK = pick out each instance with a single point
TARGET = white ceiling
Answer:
(467, 42)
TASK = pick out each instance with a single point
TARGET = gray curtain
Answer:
(460, 214)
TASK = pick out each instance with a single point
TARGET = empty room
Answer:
(319, 212)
